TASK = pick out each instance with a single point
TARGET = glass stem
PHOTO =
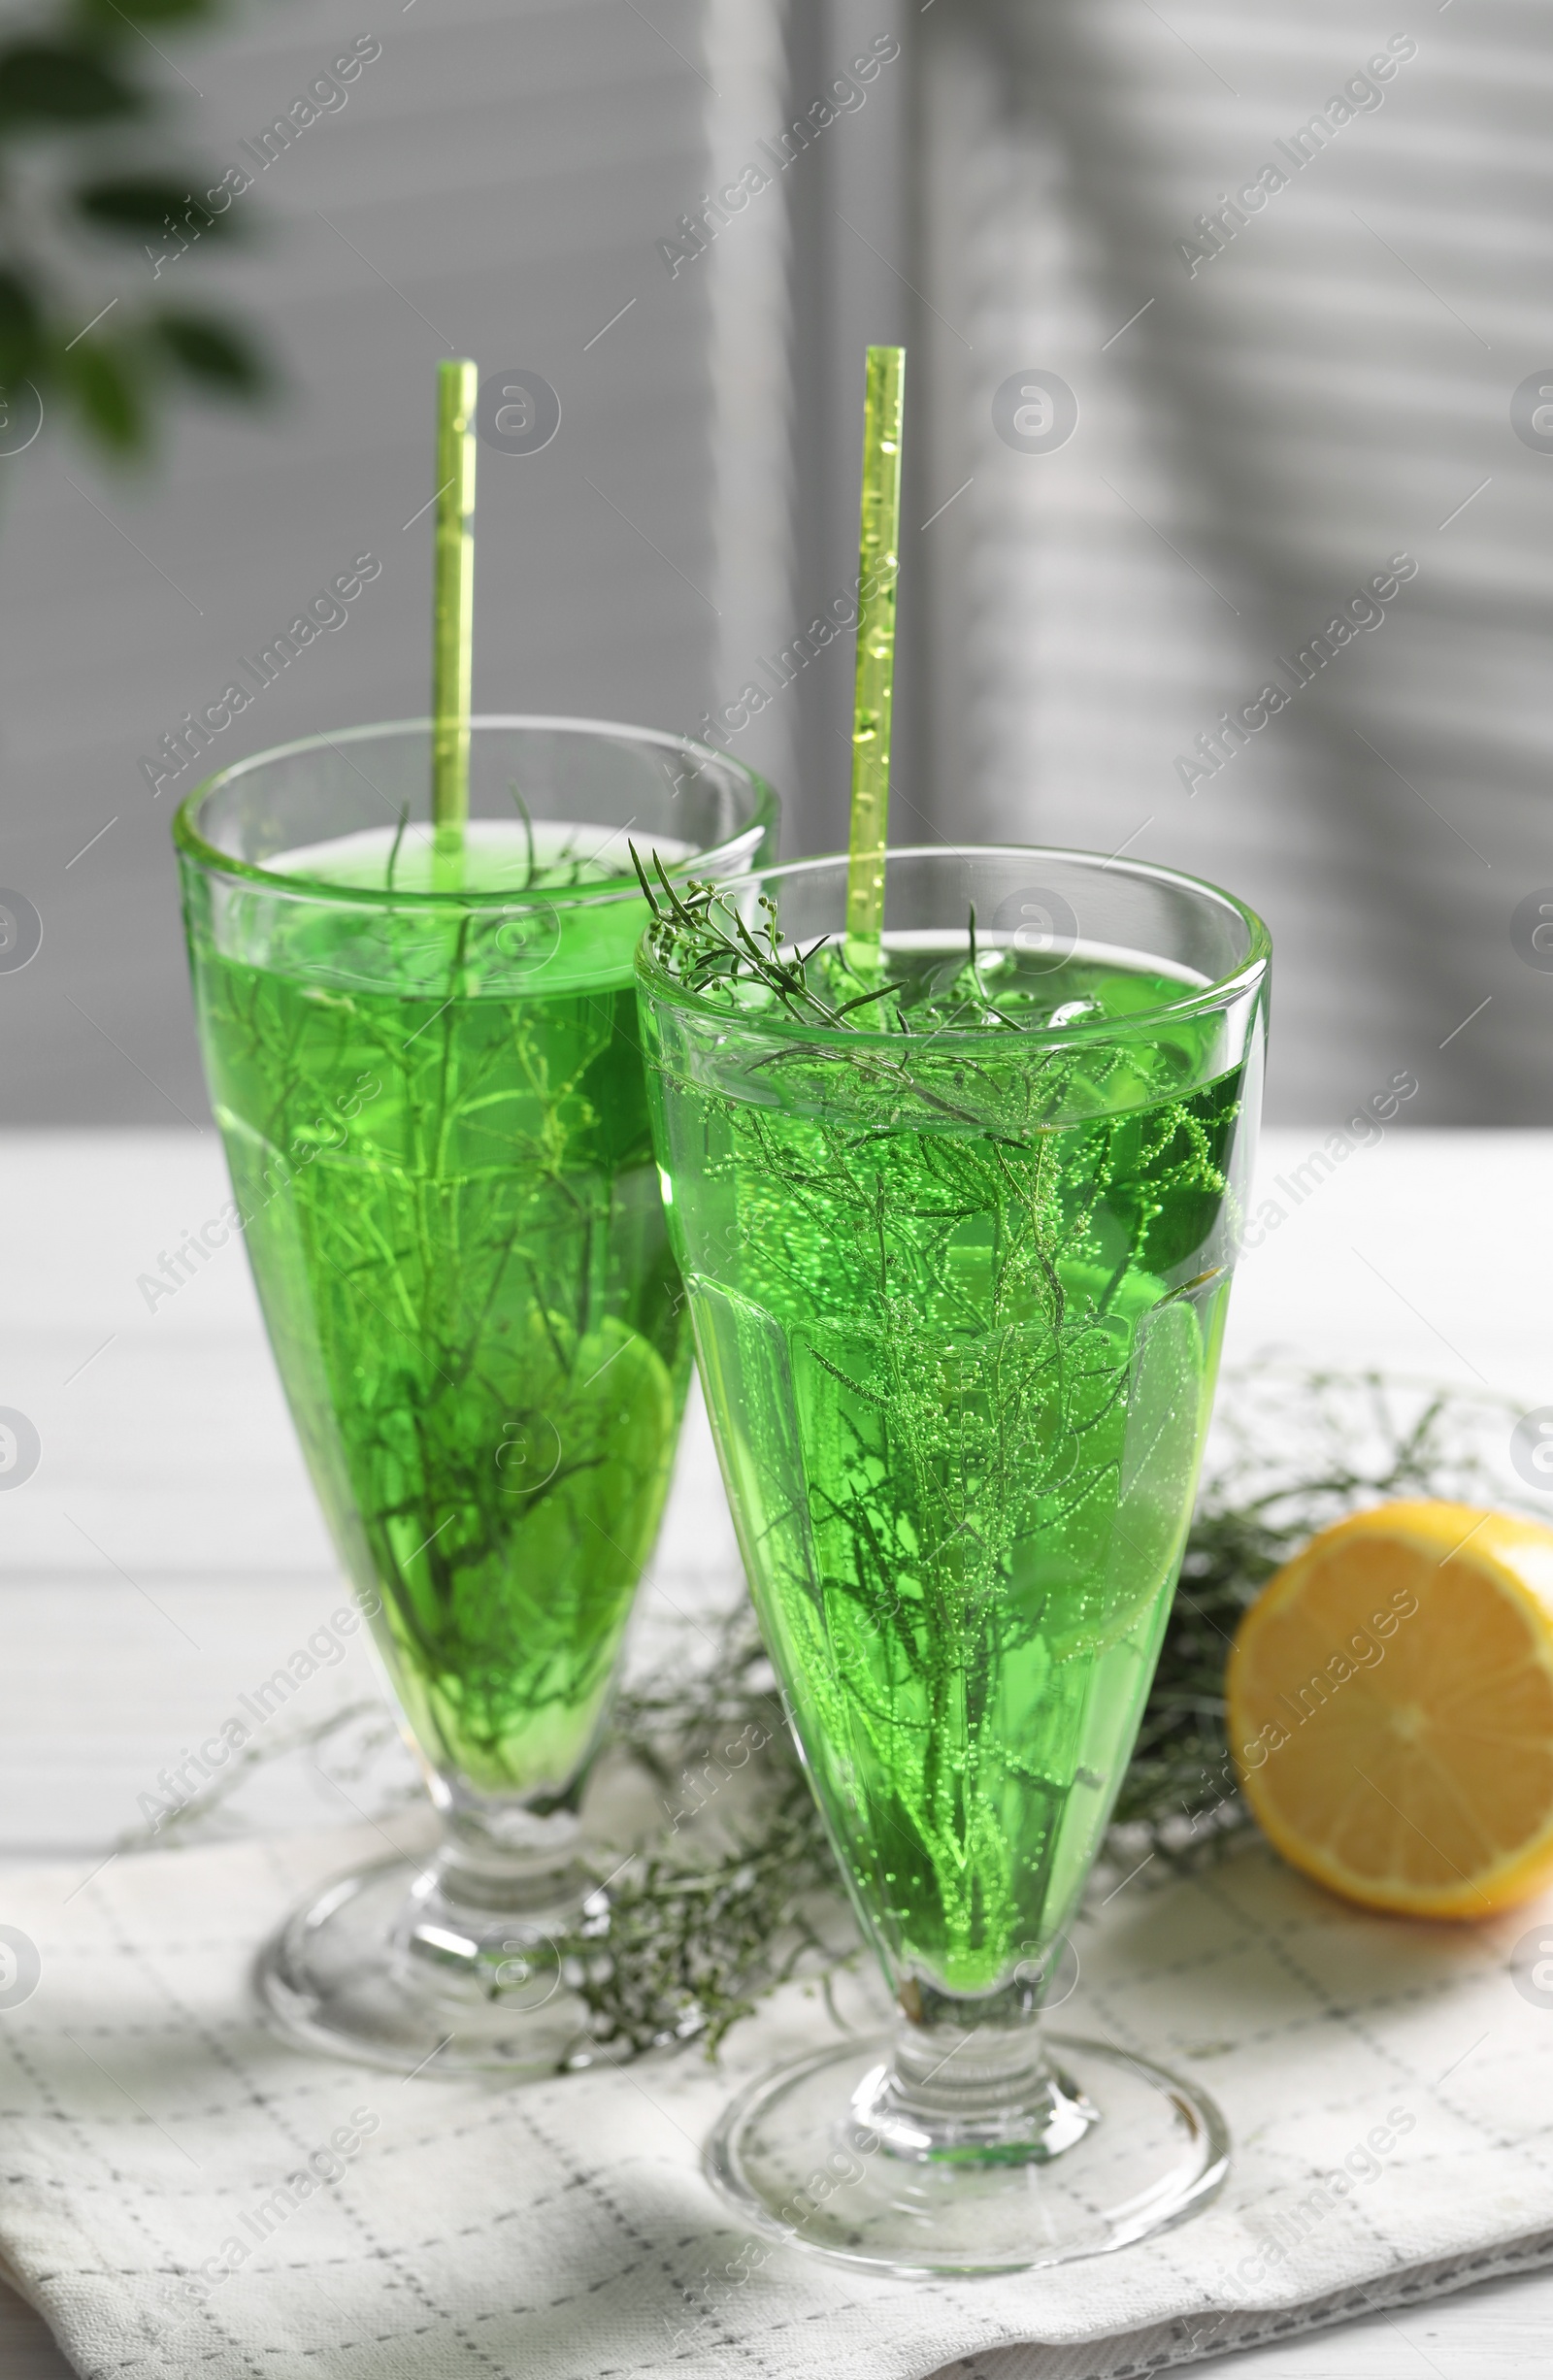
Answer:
(507, 1881)
(972, 2094)
(506, 1859)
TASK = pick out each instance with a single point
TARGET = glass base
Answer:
(1118, 2149)
(381, 1966)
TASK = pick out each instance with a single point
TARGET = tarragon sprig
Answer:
(701, 938)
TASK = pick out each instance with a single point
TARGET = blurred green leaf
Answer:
(136, 205)
(78, 65)
(21, 329)
(214, 355)
(107, 392)
(119, 22)
(47, 83)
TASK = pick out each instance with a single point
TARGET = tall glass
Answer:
(958, 1263)
(429, 1081)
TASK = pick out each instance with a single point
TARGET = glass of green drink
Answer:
(427, 1071)
(957, 1212)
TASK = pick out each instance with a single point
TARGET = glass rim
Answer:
(1196, 1001)
(192, 844)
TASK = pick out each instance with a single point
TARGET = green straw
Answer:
(452, 613)
(874, 694)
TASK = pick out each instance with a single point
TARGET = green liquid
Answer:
(959, 1319)
(438, 1140)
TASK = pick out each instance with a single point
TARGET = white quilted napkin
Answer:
(182, 2194)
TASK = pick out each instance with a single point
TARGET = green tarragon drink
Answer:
(438, 1134)
(958, 1264)
(422, 1047)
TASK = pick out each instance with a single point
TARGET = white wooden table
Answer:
(167, 1553)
